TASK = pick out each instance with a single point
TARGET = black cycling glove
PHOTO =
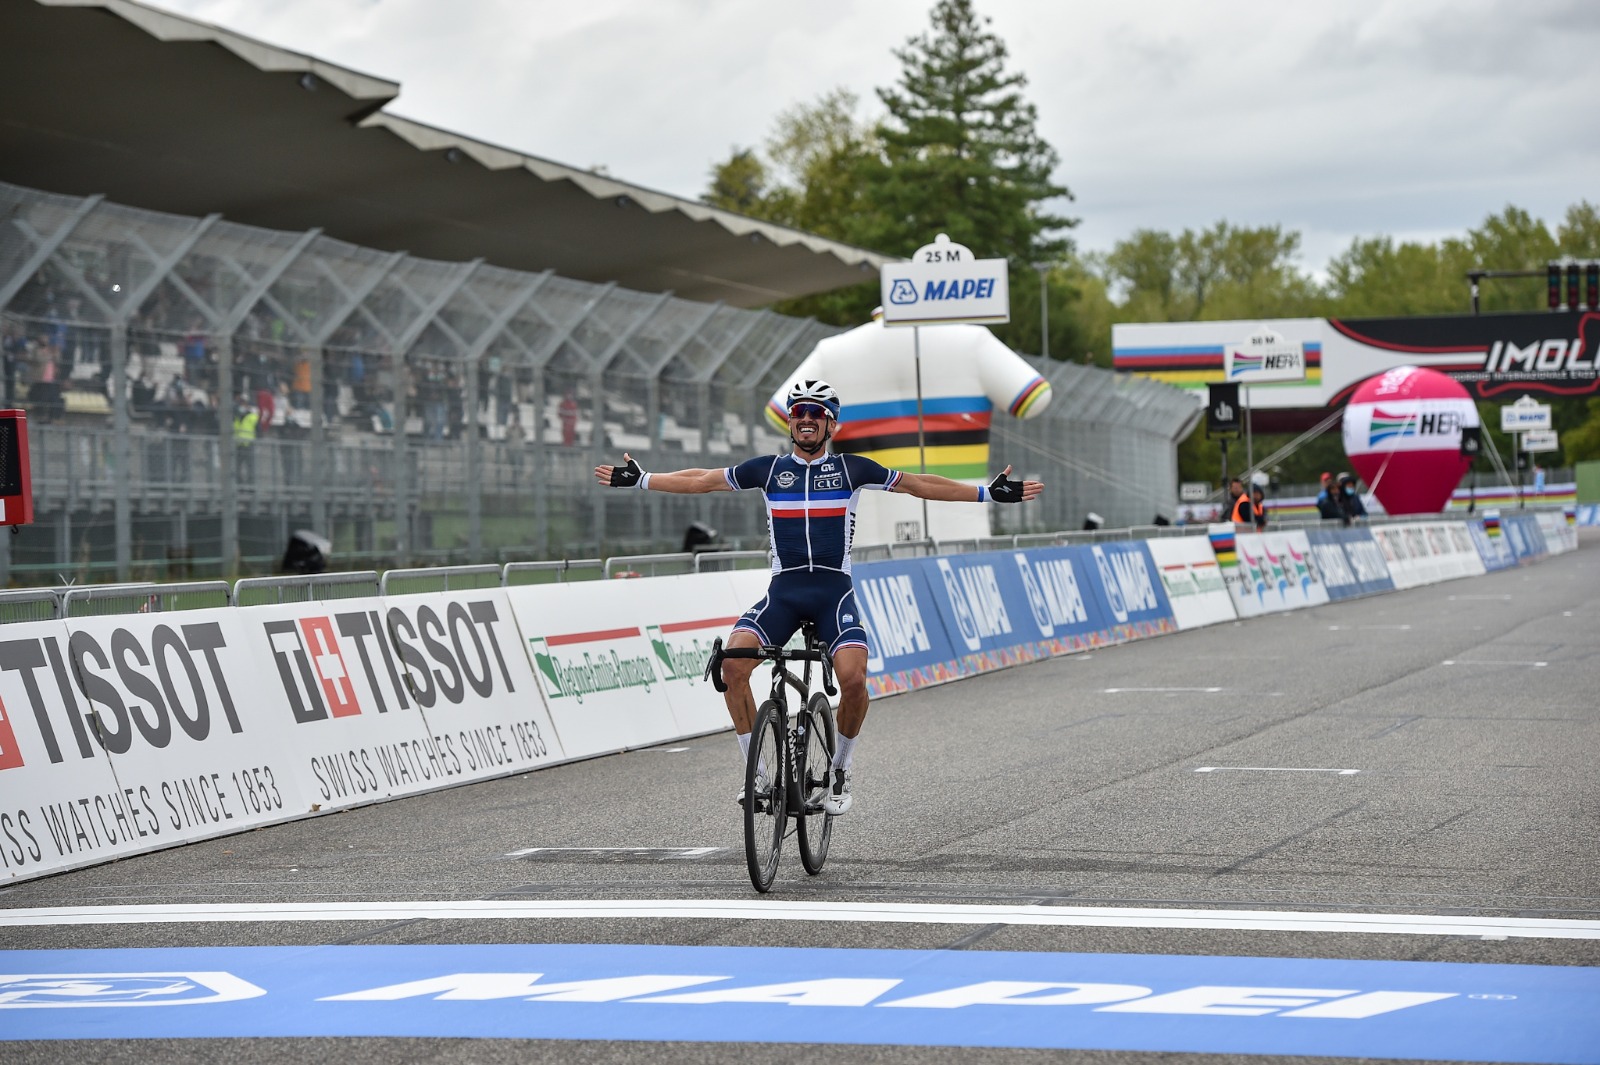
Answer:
(1003, 490)
(626, 476)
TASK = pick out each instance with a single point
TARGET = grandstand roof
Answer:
(164, 112)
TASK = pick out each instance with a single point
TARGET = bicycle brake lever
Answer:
(827, 677)
(714, 666)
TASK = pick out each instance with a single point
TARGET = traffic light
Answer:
(1592, 286)
(1552, 273)
(1574, 273)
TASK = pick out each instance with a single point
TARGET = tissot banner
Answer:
(400, 695)
(128, 733)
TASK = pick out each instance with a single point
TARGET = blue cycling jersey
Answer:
(811, 506)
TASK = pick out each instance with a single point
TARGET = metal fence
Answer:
(197, 390)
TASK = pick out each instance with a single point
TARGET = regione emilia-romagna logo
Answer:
(78, 990)
(574, 666)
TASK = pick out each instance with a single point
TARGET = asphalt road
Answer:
(1148, 775)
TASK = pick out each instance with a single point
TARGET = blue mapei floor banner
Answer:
(1147, 1003)
(1350, 562)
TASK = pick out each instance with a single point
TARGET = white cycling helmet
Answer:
(820, 392)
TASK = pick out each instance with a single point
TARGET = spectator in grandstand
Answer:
(245, 422)
(300, 392)
(1329, 507)
(1350, 499)
(568, 412)
(1258, 506)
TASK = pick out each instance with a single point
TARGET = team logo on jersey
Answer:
(828, 484)
(786, 479)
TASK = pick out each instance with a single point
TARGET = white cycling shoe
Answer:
(839, 798)
(763, 787)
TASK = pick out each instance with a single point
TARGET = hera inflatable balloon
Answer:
(1402, 431)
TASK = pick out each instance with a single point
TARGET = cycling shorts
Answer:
(825, 597)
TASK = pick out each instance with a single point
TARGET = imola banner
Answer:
(1349, 562)
(386, 697)
(126, 734)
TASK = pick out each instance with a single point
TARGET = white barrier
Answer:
(612, 657)
(1426, 552)
(405, 694)
(1272, 572)
(1193, 581)
(1560, 530)
(130, 733)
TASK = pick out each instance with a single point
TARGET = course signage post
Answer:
(1524, 418)
(942, 284)
(1261, 357)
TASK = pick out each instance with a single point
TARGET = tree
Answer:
(961, 155)
(811, 177)
(1218, 273)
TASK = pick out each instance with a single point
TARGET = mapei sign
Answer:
(945, 284)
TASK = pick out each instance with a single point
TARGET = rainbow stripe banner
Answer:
(1222, 545)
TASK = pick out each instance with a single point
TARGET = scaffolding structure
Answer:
(198, 389)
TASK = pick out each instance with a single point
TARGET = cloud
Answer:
(1335, 119)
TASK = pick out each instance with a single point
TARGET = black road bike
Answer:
(786, 775)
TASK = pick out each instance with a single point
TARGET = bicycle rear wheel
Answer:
(765, 797)
(816, 827)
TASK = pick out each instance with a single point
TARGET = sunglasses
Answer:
(809, 410)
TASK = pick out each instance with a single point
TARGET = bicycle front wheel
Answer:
(816, 827)
(766, 807)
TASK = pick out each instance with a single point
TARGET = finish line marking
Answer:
(1480, 662)
(767, 910)
(1271, 769)
(1116, 691)
(660, 854)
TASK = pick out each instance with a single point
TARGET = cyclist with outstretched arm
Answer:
(811, 498)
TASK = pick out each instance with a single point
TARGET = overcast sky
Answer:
(1414, 118)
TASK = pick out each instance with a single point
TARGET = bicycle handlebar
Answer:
(814, 653)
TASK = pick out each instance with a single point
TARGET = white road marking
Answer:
(1271, 769)
(1115, 691)
(661, 853)
(1483, 662)
(775, 910)
(1337, 628)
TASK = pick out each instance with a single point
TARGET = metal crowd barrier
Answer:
(45, 604)
(556, 572)
(440, 579)
(305, 588)
(91, 600)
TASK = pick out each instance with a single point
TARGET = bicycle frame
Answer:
(783, 678)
